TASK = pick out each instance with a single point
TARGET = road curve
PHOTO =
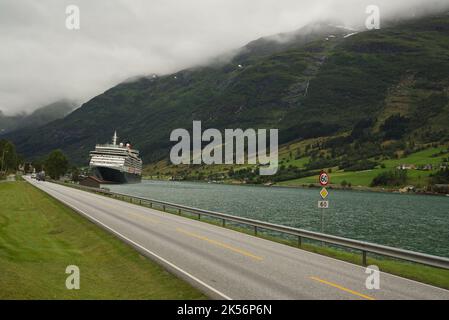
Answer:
(226, 264)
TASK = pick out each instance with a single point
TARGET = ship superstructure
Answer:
(116, 162)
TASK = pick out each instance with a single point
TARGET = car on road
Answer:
(40, 176)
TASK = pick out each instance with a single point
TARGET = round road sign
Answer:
(324, 179)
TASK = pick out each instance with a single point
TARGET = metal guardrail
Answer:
(364, 247)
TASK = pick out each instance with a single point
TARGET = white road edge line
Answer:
(145, 249)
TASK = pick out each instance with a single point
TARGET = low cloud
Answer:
(41, 61)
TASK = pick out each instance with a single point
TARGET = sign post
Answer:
(323, 203)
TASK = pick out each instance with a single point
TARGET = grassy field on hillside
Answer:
(40, 237)
(364, 178)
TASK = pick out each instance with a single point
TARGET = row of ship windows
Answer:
(111, 158)
(116, 161)
(115, 152)
(133, 162)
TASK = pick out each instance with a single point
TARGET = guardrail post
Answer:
(179, 212)
(199, 216)
(364, 258)
(223, 223)
(151, 204)
(299, 241)
(163, 207)
(255, 230)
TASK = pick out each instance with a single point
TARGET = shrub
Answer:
(390, 178)
(395, 127)
(441, 177)
(56, 164)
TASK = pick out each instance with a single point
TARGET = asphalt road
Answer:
(226, 264)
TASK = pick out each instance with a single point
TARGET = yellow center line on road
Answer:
(343, 288)
(142, 217)
(220, 244)
(137, 215)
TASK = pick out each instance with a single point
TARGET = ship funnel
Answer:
(114, 138)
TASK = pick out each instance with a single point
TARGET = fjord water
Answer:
(413, 222)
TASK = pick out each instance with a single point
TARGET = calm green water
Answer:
(419, 223)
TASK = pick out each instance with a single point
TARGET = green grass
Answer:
(364, 178)
(419, 158)
(40, 237)
(300, 163)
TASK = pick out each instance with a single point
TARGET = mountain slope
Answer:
(310, 84)
(37, 118)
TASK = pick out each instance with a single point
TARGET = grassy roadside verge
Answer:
(40, 237)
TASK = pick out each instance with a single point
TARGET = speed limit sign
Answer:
(324, 179)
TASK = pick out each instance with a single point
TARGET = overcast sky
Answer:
(42, 61)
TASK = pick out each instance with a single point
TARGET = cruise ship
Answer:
(116, 163)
